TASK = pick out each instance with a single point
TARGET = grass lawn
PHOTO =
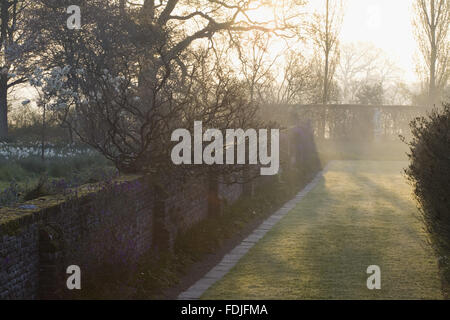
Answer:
(360, 214)
(391, 150)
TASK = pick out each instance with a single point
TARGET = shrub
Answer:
(33, 164)
(39, 190)
(11, 171)
(429, 172)
(10, 195)
(35, 178)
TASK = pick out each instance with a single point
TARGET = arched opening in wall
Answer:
(51, 258)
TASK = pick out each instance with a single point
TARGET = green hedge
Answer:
(429, 172)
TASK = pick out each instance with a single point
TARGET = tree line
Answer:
(137, 70)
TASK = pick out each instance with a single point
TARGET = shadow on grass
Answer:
(322, 249)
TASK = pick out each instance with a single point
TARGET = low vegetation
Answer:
(429, 173)
(24, 175)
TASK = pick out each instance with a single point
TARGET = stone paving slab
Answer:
(233, 257)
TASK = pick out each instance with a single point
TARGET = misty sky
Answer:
(385, 23)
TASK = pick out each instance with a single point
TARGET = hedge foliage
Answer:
(429, 172)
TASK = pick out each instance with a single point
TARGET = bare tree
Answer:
(256, 61)
(297, 83)
(432, 25)
(136, 74)
(324, 31)
(361, 66)
(357, 61)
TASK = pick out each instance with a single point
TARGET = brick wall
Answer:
(113, 226)
(38, 242)
(19, 263)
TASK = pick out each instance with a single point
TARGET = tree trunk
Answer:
(327, 56)
(433, 57)
(432, 89)
(325, 80)
(3, 107)
(70, 134)
(4, 17)
(43, 135)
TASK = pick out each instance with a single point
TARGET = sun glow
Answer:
(387, 25)
(262, 14)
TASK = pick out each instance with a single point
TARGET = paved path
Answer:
(319, 245)
(230, 260)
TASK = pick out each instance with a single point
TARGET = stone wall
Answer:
(40, 239)
(19, 263)
(115, 224)
(230, 193)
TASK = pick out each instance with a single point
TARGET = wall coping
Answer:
(14, 217)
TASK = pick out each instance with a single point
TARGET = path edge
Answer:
(232, 258)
